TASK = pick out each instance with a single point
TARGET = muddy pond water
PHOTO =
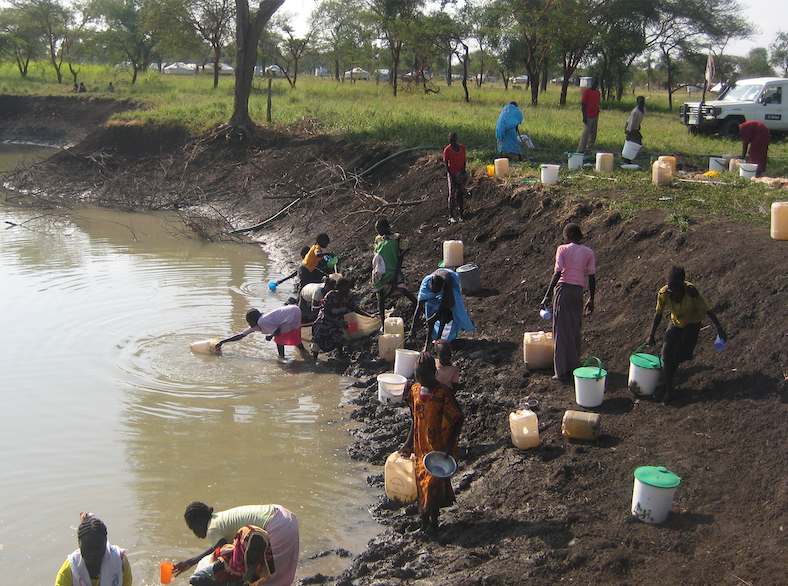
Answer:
(106, 409)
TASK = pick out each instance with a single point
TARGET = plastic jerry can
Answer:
(394, 325)
(524, 425)
(581, 425)
(538, 350)
(400, 478)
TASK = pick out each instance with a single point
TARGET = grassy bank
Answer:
(366, 111)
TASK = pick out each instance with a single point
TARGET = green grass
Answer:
(366, 111)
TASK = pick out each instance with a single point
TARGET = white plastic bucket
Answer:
(549, 173)
(652, 496)
(404, 362)
(575, 161)
(748, 170)
(630, 150)
(717, 164)
(644, 372)
(590, 384)
(391, 386)
(470, 282)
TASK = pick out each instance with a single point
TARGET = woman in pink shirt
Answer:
(572, 262)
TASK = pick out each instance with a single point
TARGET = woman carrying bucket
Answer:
(572, 262)
(688, 308)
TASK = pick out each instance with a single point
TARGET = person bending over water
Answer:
(222, 528)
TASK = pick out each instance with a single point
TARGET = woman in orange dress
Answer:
(435, 427)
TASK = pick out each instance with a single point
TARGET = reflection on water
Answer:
(107, 409)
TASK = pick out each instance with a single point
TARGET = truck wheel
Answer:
(693, 130)
(730, 128)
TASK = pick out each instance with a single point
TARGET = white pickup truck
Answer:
(762, 99)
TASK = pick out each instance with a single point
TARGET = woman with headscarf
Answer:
(435, 426)
(96, 562)
(440, 298)
(247, 560)
(506, 130)
(221, 528)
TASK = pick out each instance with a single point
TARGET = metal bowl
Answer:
(440, 464)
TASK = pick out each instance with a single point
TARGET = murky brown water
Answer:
(106, 409)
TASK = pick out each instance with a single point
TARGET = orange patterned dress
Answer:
(434, 416)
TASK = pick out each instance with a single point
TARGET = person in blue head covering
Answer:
(440, 297)
(506, 130)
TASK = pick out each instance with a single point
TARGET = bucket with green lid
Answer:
(590, 384)
(653, 494)
(644, 371)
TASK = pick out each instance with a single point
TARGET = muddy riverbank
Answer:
(559, 512)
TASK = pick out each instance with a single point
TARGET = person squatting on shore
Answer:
(96, 562)
(572, 261)
(440, 298)
(436, 420)
(687, 308)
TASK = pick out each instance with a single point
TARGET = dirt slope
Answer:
(559, 512)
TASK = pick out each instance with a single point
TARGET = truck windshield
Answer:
(743, 93)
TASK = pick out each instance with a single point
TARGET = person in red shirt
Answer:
(589, 104)
(454, 158)
(755, 135)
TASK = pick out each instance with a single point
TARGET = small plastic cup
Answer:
(546, 313)
(272, 286)
(165, 572)
(491, 170)
(719, 344)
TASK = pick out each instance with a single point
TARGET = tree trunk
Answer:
(248, 31)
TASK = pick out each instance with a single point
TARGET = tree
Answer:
(779, 55)
(538, 27)
(58, 24)
(393, 19)
(340, 29)
(248, 29)
(130, 32)
(756, 63)
(22, 38)
(576, 35)
(290, 49)
(213, 20)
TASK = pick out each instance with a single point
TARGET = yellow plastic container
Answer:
(399, 475)
(524, 425)
(661, 173)
(394, 325)
(501, 168)
(387, 346)
(491, 170)
(206, 347)
(604, 162)
(581, 425)
(670, 160)
(538, 350)
(780, 220)
(452, 253)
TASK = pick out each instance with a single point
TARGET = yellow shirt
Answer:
(65, 578)
(312, 257)
(691, 310)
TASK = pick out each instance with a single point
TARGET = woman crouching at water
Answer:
(435, 427)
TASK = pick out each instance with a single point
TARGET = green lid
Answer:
(646, 361)
(657, 476)
(590, 372)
